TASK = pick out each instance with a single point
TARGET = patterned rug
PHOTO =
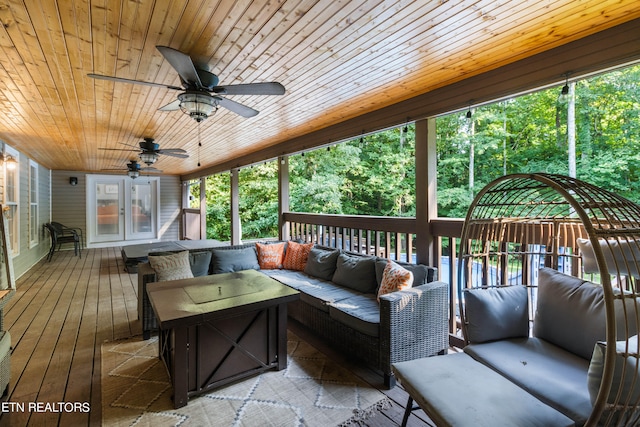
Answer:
(312, 391)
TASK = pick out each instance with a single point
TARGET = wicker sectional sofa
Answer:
(338, 302)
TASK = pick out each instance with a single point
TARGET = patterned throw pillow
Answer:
(270, 256)
(296, 256)
(394, 278)
(171, 267)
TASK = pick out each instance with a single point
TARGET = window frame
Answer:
(13, 205)
(34, 204)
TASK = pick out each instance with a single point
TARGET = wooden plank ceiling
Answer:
(337, 60)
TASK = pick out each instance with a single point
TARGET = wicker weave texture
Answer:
(521, 222)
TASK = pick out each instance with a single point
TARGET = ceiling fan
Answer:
(134, 168)
(201, 94)
(149, 151)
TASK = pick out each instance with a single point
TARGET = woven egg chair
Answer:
(522, 222)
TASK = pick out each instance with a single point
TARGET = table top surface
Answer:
(142, 250)
(189, 301)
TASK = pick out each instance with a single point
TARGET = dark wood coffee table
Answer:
(214, 330)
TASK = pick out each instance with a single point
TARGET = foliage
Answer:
(375, 175)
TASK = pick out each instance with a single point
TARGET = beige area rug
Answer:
(312, 391)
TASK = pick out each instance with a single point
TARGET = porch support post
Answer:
(236, 230)
(203, 207)
(426, 186)
(185, 205)
(283, 196)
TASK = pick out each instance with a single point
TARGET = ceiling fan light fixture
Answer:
(133, 174)
(149, 158)
(197, 105)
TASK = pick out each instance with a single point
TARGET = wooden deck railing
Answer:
(391, 237)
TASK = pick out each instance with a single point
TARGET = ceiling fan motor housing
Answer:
(198, 105)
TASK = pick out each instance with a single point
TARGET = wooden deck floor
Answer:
(64, 310)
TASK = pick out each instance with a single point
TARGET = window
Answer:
(34, 223)
(11, 197)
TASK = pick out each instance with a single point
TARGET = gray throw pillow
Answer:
(356, 272)
(321, 263)
(230, 260)
(626, 374)
(200, 263)
(496, 313)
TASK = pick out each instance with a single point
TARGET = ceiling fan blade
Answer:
(237, 108)
(117, 149)
(172, 106)
(172, 154)
(182, 64)
(137, 82)
(172, 150)
(150, 169)
(266, 88)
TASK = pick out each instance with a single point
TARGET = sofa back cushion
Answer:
(570, 312)
(228, 260)
(321, 263)
(357, 272)
(496, 313)
(200, 262)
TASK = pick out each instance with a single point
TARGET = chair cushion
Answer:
(496, 313)
(552, 374)
(455, 390)
(321, 263)
(356, 272)
(296, 256)
(270, 255)
(171, 267)
(230, 260)
(394, 278)
(570, 312)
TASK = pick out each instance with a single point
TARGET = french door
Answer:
(121, 209)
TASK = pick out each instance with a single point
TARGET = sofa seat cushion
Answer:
(455, 390)
(360, 312)
(313, 291)
(553, 375)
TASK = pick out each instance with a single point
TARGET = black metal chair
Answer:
(70, 230)
(60, 236)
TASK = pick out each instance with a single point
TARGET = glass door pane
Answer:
(109, 211)
(142, 209)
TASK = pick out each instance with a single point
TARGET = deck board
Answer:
(65, 309)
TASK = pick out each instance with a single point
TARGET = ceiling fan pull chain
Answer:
(199, 142)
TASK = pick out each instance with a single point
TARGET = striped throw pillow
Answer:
(296, 256)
